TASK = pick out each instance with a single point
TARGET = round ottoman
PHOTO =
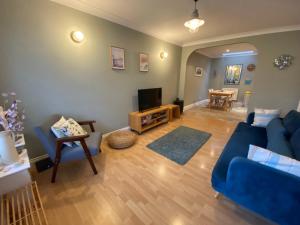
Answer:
(121, 139)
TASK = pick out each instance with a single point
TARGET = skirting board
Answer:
(36, 159)
(202, 102)
(124, 128)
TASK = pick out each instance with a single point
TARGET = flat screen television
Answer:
(149, 98)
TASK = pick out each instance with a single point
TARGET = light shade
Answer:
(77, 36)
(194, 24)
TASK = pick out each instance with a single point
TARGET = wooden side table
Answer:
(174, 111)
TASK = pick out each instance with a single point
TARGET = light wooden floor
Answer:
(138, 186)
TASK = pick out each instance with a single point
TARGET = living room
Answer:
(132, 75)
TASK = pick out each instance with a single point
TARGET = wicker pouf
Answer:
(121, 139)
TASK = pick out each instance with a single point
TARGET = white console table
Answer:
(16, 175)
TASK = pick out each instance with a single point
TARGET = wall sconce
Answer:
(163, 55)
(77, 36)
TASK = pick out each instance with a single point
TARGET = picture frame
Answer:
(117, 57)
(199, 71)
(144, 62)
(233, 74)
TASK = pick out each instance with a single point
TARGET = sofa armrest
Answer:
(270, 192)
(250, 118)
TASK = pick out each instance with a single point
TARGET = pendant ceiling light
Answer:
(195, 22)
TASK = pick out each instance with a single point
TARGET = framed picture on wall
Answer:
(117, 58)
(199, 71)
(144, 62)
(233, 74)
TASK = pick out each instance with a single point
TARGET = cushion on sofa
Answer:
(263, 116)
(292, 121)
(275, 127)
(277, 140)
(272, 159)
(250, 118)
(295, 143)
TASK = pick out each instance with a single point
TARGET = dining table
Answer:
(220, 99)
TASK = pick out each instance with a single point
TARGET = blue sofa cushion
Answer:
(295, 143)
(250, 118)
(238, 145)
(292, 121)
(276, 127)
(277, 141)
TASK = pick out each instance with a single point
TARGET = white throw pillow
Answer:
(272, 159)
(72, 128)
(67, 128)
(263, 116)
(57, 130)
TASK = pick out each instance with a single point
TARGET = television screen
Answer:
(149, 98)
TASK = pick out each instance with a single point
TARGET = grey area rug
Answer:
(180, 144)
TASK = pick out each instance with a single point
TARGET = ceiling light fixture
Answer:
(195, 22)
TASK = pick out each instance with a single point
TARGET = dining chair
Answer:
(60, 153)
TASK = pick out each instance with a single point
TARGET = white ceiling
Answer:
(223, 18)
(217, 51)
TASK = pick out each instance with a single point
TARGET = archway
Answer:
(205, 69)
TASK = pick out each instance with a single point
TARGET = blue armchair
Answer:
(58, 152)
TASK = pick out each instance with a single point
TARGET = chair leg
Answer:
(55, 167)
(56, 161)
(89, 157)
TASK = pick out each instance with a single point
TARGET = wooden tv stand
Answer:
(142, 121)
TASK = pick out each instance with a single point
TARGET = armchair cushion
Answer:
(77, 152)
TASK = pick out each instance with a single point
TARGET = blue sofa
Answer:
(271, 193)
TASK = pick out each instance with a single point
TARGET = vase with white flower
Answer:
(11, 123)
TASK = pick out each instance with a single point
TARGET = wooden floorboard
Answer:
(137, 186)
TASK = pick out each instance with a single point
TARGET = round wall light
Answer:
(163, 55)
(77, 36)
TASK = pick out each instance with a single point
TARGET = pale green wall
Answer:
(218, 69)
(196, 88)
(271, 88)
(53, 75)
